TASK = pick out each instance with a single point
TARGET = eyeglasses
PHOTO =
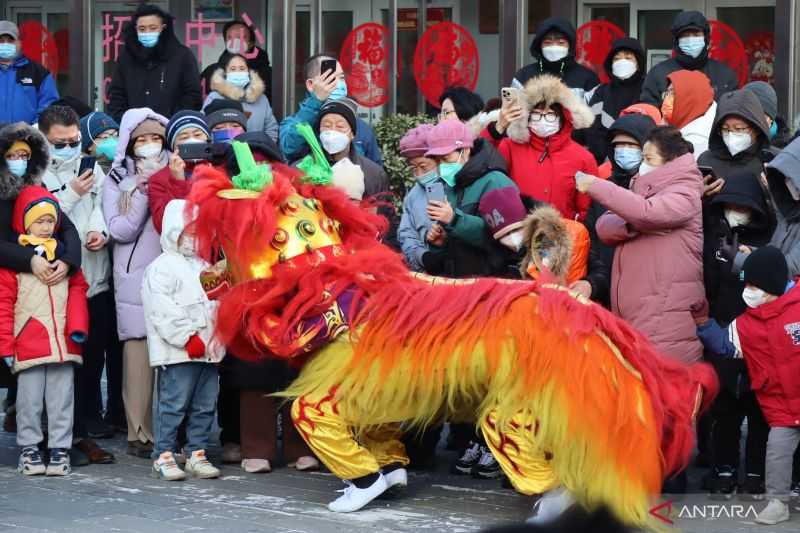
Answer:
(741, 129)
(106, 135)
(71, 144)
(548, 116)
(444, 114)
(667, 93)
(18, 156)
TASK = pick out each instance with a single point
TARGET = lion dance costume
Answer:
(564, 392)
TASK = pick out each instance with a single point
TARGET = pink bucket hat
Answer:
(415, 142)
(449, 136)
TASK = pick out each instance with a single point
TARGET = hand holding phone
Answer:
(435, 192)
(87, 163)
(327, 65)
(83, 183)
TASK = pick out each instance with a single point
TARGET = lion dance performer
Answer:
(566, 394)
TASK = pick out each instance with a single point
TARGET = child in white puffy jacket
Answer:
(180, 322)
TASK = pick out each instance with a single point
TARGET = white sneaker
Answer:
(256, 466)
(550, 506)
(397, 478)
(774, 513)
(167, 469)
(306, 463)
(200, 467)
(354, 498)
(30, 462)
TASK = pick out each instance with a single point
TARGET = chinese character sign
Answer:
(446, 56)
(365, 61)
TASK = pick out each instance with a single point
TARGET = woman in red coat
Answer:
(535, 138)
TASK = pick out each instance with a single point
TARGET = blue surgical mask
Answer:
(68, 153)
(107, 148)
(773, 130)
(428, 178)
(692, 46)
(448, 171)
(340, 91)
(239, 79)
(18, 167)
(148, 39)
(8, 50)
(628, 158)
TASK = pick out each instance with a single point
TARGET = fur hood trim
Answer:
(10, 185)
(551, 90)
(545, 231)
(249, 94)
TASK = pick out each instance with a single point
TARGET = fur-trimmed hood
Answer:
(550, 90)
(249, 94)
(10, 185)
(564, 243)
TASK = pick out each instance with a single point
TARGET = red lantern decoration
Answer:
(727, 47)
(365, 61)
(446, 56)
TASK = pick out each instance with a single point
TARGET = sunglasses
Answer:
(72, 144)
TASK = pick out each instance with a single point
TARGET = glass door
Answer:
(754, 22)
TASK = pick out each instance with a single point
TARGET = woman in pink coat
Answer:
(657, 228)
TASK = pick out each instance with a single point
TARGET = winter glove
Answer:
(726, 252)
(196, 348)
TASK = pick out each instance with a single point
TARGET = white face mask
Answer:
(737, 142)
(624, 68)
(644, 168)
(148, 151)
(793, 190)
(513, 240)
(234, 46)
(555, 52)
(334, 142)
(754, 297)
(542, 128)
(737, 218)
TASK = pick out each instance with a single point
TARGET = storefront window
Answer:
(44, 32)
(655, 34)
(756, 29)
(617, 14)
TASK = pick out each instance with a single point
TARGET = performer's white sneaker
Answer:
(397, 478)
(550, 506)
(354, 498)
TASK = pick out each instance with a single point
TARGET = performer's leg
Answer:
(514, 447)
(384, 444)
(317, 419)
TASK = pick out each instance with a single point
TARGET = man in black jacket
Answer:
(154, 70)
(553, 50)
(691, 36)
(239, 39)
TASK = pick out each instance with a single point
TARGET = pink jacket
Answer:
(657, 274)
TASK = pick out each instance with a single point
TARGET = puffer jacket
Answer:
(544, 169)
(86, 212)
(254, 102)
(26, 89)
(40, 324)
(742, 104)
(657, 275)
(164, 78)
(175, 305)
(723, 78)
(609, 99)
(12, 255)
(786, 166)
(574, 75)
(136, 242)
(414, 226)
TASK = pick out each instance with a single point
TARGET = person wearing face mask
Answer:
(240, 39)
(226, 120)
(659, 217)
(337, 128)
(738, 215)
(323, 87)
(624, 141)
(689, 106)
(625, 67)
(538, 147)
(553, 51)
(235, 81)
(691, 37)
(26, 87)
(80, 198)
(779, 134)
(153, 69)
(140, 154)
(415, 224)
(470, 168)
(99, 138)
(739, 135)
(766, 335)
(174, 181)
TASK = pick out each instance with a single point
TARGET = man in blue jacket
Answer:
(323, 86)
(26, 87)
